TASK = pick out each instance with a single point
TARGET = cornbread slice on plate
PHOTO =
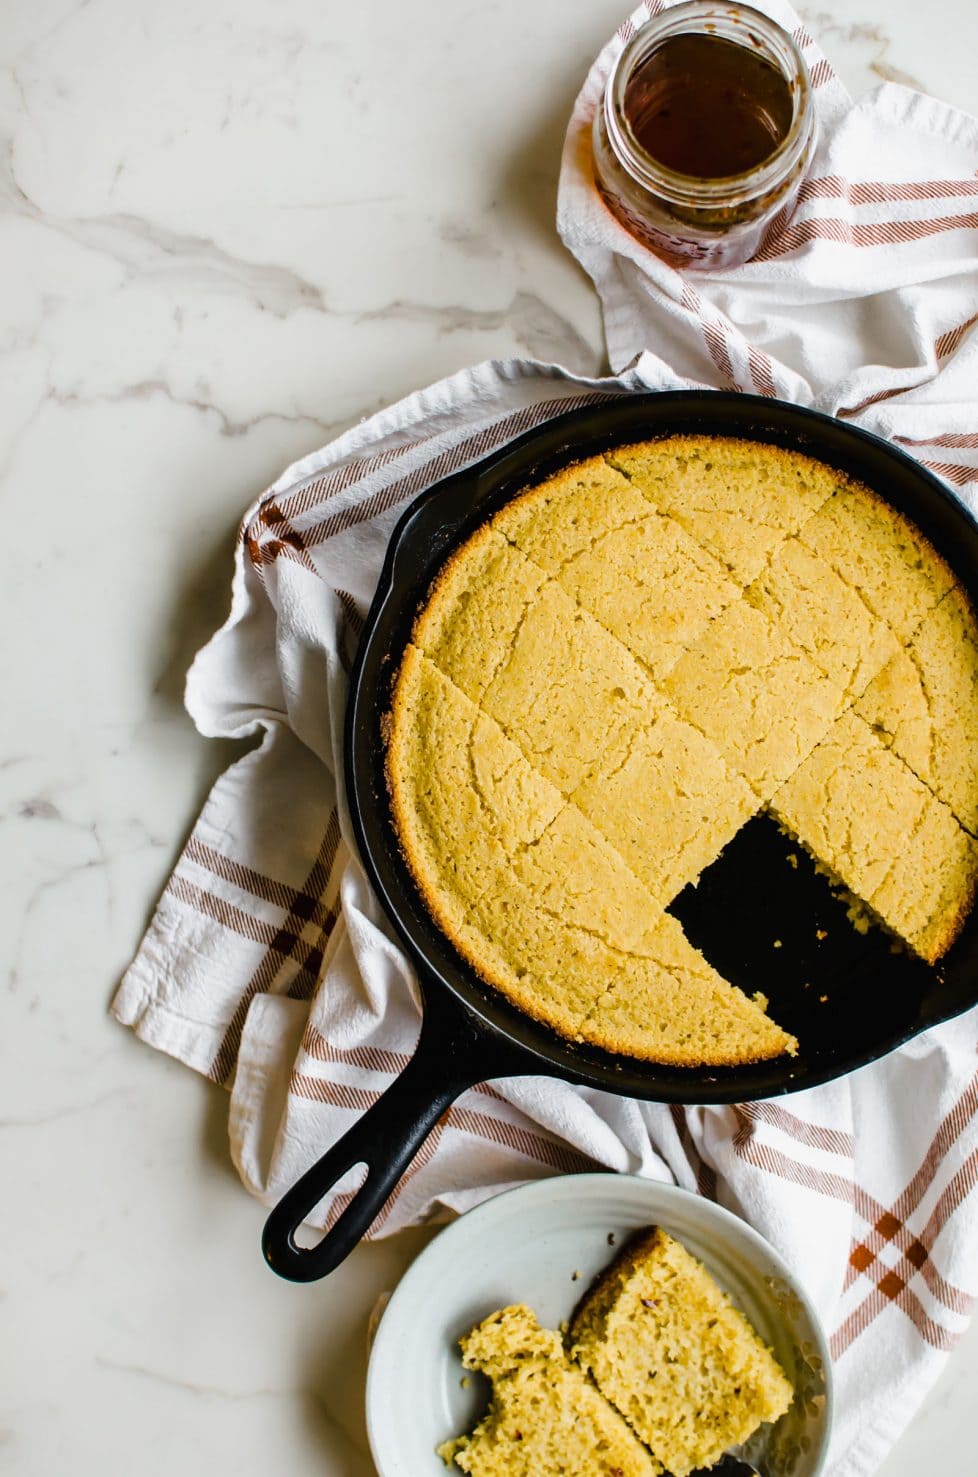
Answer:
(670, 800)
(755, 693)
(545, 1416)
(464, 634)
(737, 498)
(824, 616)
(881, 555)
(873, 825)
(924, 705)
(667, 1348)
(635, 569)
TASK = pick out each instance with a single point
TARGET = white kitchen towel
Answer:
(269, 965)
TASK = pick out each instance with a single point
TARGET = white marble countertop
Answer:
(229, 231)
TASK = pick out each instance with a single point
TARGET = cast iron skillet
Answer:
(847, 997)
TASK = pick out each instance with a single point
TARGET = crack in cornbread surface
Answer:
(545, 1417)
(667, 1348)
(626, 663)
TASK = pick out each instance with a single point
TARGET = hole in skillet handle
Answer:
(454, 1052)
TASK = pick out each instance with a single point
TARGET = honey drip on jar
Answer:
(707, 107)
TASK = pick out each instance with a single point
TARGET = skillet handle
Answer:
(452, 1054)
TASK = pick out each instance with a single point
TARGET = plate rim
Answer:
(589, 1184)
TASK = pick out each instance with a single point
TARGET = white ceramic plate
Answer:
(525, 1246)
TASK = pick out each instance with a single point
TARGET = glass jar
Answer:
(693, 219)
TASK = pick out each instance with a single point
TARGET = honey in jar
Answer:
(705, 132)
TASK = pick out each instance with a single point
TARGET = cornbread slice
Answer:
(465, 634)
(669, 1350)
(669, 799)
(566, 689)
(824, 616)
(924, 704)
(870, 821)
(737, 498)
(521, 883)
(671, 1006)
(452, 773)
(881, 555)
(635, 569)
(546, 1417)
(756, 694)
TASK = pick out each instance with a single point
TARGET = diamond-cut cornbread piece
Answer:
(924, 703)
(672, 1006)
(635, 569)
(465, 634)
(545, 1416)
(881, 555)
(756, 694)
(872, 823)
(492, 844)
(452, 773)
(669, 1350)
(823, 615)
(669, 799)
(737, 498)
(566, 689)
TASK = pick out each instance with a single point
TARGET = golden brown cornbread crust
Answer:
(546, 647)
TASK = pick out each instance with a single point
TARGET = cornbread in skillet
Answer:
(626, 663)
(536, 898)
(668, 1349)
(546, 1417)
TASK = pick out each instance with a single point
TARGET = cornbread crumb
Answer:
(669, 1350)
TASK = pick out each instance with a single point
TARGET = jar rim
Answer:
(726, 21)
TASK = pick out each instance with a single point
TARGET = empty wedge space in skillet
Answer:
(539, 903)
